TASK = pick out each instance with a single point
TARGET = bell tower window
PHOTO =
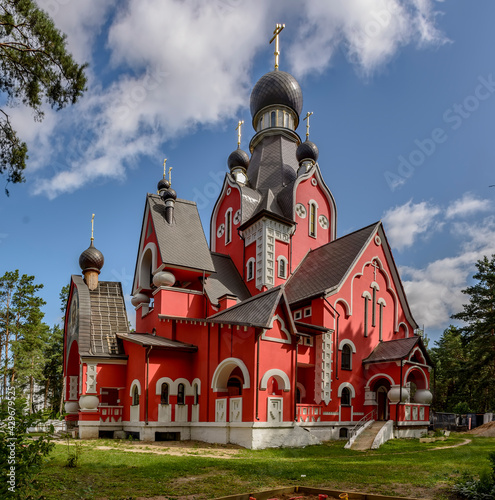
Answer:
(313, 217)
(228, 226)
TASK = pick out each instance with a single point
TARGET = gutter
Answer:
(336, 339)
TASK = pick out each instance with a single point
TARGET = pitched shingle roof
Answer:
(146, 340)
(182, 243)
(102, 315)
(226, 279)
(325, 267)
(256, 311)
(396, 349)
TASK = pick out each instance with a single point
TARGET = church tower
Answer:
(274, 207)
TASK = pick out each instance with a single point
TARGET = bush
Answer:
(21, 456)
(478, 489)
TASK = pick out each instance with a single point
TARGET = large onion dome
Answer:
(91, 259)
(307, 150)
(238, 158)
(163, 184)
(276, 88)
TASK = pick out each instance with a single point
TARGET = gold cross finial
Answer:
(164, 167)
(239, 131)
(308, 114)
(170, 175)
(92, 226)
(276, 32)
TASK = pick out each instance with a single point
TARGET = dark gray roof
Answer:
(102, 315)
(226, 279)
(250, 200)
(256, 311)
(182, 243)
(146, 340)
(325, 267)
(396, 349)
(311, 329)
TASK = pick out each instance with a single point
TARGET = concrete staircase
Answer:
(365, 439)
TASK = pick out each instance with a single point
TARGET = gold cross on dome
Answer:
(164, 167)
(170, 175)
(239, 131)
(276, 32)
(308, 114)
(92, 226)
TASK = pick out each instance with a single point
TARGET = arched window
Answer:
(135, 396)
(250, 269)
(346, 363)
(312, 218)
(228, 226)
(196, 394)
(164, 394)
(282, 267)
(181, 394)
(234, 386)
(273, 119)
(345, 398)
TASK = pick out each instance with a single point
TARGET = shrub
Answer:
(478, 489)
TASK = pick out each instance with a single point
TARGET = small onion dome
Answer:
(163, 278)
(140, 298)
(238, 158)
(276, 88)
(307, 151)
(91, 259)
(163, 184)
(168, 194)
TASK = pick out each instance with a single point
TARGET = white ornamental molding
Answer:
(323, 222)
(301, 211)
(220, 230)
(237, 217)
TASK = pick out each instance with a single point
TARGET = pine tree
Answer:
(53, 370)
(479, 334)
(8, 284)
(35, 68)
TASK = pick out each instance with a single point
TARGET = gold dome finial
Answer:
(308, 114)
(276, 32)
(164, 167)
(239, 131)
(92, 226)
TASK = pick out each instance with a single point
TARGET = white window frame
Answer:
(253, 261)
(307, 312)
(228, 226)
(280, 259)
(313, 205)
(297, 315)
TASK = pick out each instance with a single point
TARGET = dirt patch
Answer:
(485, 430)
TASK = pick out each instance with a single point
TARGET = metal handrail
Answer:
(366, 418)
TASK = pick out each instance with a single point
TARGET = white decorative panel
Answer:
(415, 412)
(422, 413)
(235, 414)
(301, 210)
(221, 410)
(195, 413)
(90, 378)
(323, 369)
(73, 388)
(408, 413)
(275, 410)
(181, 413)
(135, 413)
(164, 413)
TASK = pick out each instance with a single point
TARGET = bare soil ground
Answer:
(486, 430)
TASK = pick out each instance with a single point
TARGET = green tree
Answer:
(479, 334)
(8, 284)
(35, 68)
(53, 371)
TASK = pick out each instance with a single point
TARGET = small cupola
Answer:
(307, 152)
(91, 261)
(167, 194)
(238, 161)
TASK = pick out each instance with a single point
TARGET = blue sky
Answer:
(403, 95)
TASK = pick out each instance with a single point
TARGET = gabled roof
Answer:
(397, 349)
(182, 243)
(226, 279)
(102, 316)
(147, 340)
(325, 267)
(257, 311)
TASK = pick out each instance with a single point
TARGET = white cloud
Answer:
(371, 32)
(403, 224)
(467, 205)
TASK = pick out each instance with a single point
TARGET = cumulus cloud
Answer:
(370, 31)
(174, 66)
(405, 223)
(467, 205)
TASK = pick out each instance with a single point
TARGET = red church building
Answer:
(277, 333)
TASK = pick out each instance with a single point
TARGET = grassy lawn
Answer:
(400, 467)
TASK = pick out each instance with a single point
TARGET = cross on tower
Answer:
(92, 226)
(164, 167)
(239, 131)
(308, 114)
(375, 267)
(276, 32)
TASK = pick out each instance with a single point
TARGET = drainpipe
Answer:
(257, 375)
(243, 255)
(208, 376)
(336, 339)
(400, 397)
(295, 385)
(147, 382)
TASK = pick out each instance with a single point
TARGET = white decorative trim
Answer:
(164, 380)
(302, 390)
(379, 375)
(308, 311)
(349, 386)
(237, 217)
(312, 203)
(223, 371)
(144, 276)
(422, 372)
(235, 410)
(136, 383)
(288, 339)
(378, 240)
(314, 182)
(406, 329)
(275, 410)
(349, 342)
(347, 308)
(415, 350)
(286, 266)
(381, 301)
(366, 295)
(301, 211)
(228, 223)
(280, 376)
(221, 410)
(91, 378)
(375, 285)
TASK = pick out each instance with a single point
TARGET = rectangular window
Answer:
(297, 315)
(307, 312)
(312, 220)
(228, 226)
(366, 316)
(373, 309)
(381, 322)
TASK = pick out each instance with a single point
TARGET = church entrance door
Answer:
(381, 399)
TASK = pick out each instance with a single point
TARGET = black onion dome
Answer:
(276, 87)
(307, 151)
(163, 184)
(168, 194)
(91, 259)
(238, 158)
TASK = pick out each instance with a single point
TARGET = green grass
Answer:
(400, 467)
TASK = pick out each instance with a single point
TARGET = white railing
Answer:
(369, 416)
